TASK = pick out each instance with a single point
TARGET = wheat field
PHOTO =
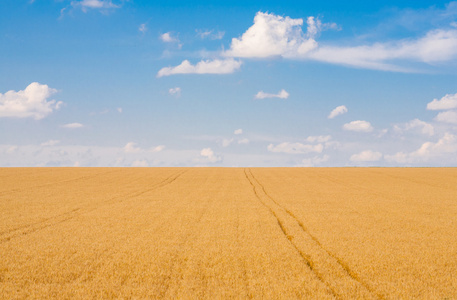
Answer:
(212, 233)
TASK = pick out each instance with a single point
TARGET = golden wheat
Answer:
(369, 233)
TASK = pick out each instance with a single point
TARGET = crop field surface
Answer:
(218, 233)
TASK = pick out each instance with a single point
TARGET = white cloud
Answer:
(143, 28)
(424, 127)
(209, 154)
(73, 125)
(94, 4)
(140, 163)
(360, 126)
(243, 141)
(50, 143)
(119, 109)
(318, 138)
(447, 102)
(447, 117)
(436, 46)
(226, 142)
(295, 148)
(158, 148)
(215, 66)
(175, 92)
(281, 95)
(314, 161)
(210, 34)
(442, 152)
(273, 35)
(238, 131)
(168, 38)
(11, 149)
(366, 155)
(338, 111)
(131, 147)
(31, 102)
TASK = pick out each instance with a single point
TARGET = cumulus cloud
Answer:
(243, 141)
(238, 131)
(366, 155)
(314, 161)
(50, 143)
(359, 126)
(447, 117)
(209, 154)
(210, 34)
(441, 151)
(416, 124)
(73, 125)
(32, 102)
(273, 35)
(168, 38)
(281, 95)
(175, 92)
(338, 111)
(295, 148)
(131, 147)
(216, 66)
(447, 102)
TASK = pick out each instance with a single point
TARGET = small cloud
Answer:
(76, 164)
(32, 102)
(73, 125)
(447, 117)
(447, 102)
(50, 143)
(359, 126)
(168, 38)
(94, 4)
(175, 92)
(338, 111)
(143, 28)
(367, 155)
(281, 95)
(295, 148)
(119, 109)
(238, 131)
(311, 162)
(216, 66)
(158, 148)
(416, 124)
(243, 141)
(11, 149)
(318, 138)
(131, 148)
(209, 154)
(210, 34)
(140, 164)
(226, 142)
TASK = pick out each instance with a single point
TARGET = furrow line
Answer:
(76, 212)
(307, 258)
(343, 265)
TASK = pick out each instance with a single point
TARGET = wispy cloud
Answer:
(210, 34)
(73, 125)
(338, 111)
(366, 156)
(360, 126)
(295, 148)
(176, 91)
(167, 37)
(281, 95)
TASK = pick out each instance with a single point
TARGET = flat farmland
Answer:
(274, 233)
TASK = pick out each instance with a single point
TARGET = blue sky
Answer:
(238, 83)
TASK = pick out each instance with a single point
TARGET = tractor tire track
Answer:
(329, 268)
(31, 228)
